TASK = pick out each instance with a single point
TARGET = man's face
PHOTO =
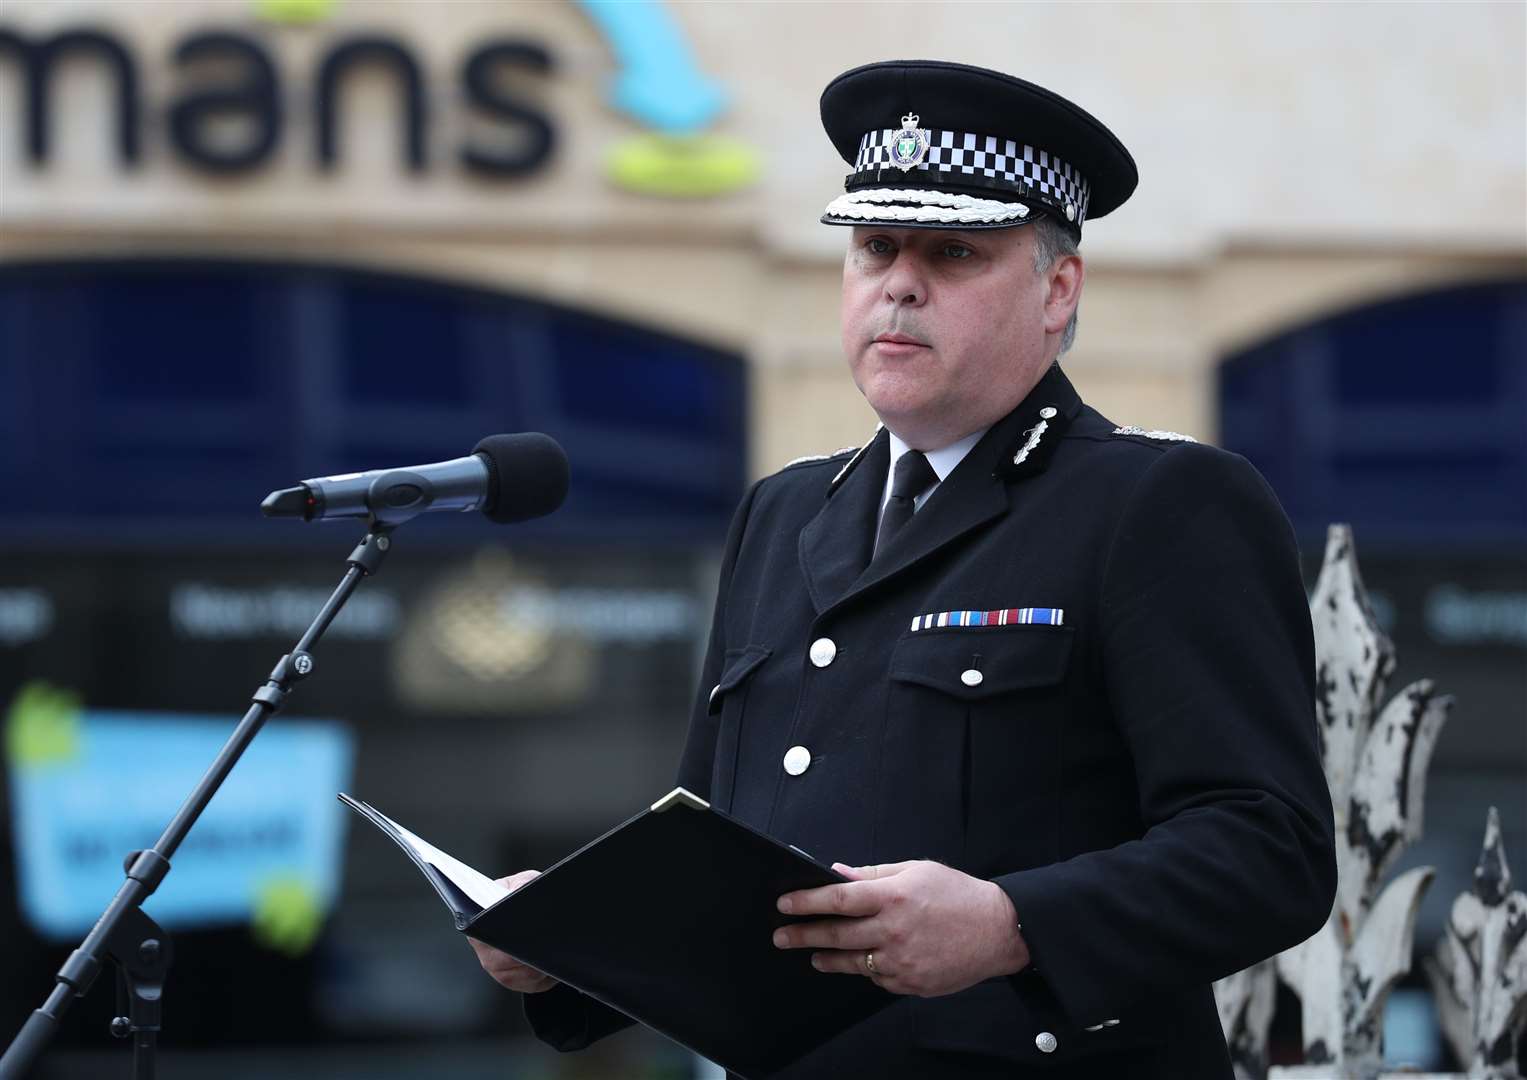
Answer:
(946, 330)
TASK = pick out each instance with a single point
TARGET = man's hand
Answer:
(932, 929)
(505, 969)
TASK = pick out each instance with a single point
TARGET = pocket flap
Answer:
(977, 662)
(739, 664)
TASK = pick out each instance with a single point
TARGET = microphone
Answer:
(508, 477)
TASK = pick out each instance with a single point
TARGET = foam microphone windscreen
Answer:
(527, 476)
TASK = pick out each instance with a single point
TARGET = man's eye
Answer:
(877, 246)
(957, 251)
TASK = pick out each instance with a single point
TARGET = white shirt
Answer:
(943, 462)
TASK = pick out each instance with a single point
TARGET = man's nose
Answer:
(905, 284)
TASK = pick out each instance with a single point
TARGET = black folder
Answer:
(667, 918)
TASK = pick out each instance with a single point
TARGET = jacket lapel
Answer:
(835, 546)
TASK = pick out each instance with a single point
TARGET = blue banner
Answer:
(87, 787)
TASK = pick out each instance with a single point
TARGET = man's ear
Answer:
(1066, 277)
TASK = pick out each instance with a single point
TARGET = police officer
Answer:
(1042, 684)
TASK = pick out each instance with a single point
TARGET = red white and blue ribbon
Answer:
(1044, 616)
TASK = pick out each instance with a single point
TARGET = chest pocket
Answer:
(971, 663)
(971, 723)
(727, 702)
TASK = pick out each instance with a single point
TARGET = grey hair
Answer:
(1053, 241)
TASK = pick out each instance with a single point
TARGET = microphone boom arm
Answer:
(146, 869)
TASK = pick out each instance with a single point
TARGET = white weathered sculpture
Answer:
(1479, 974)
(1246, 1003)
(1375, 763)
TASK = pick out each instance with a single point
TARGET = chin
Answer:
(897, 392)
(913, 424)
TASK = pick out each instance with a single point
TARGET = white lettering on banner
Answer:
(83, 848)
(216, 612)
(1455, 616)
(25, 615)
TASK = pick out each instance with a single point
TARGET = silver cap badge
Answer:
(909, 145)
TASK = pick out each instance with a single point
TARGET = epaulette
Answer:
(859, 453)
(809, 458)
(1164, 436)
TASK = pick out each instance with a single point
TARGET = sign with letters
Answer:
(89, 786)
(237, 99)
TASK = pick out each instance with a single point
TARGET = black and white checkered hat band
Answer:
(1001, 165)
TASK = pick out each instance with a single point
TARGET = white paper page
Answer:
(484, 891)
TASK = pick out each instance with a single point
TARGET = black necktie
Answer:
(913, 476)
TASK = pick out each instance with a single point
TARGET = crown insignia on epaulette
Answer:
(1164, 436)
(821, 457)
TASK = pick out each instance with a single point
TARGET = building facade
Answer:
(246, 242)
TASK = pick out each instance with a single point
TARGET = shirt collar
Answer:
(944, 459)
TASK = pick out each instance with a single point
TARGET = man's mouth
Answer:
(898, 339)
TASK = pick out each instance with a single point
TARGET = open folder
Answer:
(667, 918)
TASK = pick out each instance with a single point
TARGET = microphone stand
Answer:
(140, 949)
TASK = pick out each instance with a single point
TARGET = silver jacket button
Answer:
(797, 760)
(1046, 1042)
(823, 650)
(971, 677)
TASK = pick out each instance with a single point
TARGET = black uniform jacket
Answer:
(1139, 772)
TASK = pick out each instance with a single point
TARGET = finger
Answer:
(836, 962)
(503, 966)
(544, 983)
(514, 881)
(870, 873)
(853, 963)
(856, 898)
(525, 980)
(507, 971)
(494, 961)
(482, 950)
(830, 934)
